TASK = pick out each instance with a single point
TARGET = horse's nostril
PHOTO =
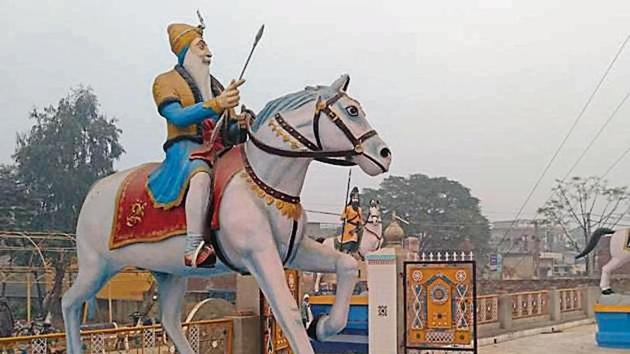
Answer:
(385, 153)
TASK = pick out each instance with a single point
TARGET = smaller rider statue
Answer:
(191, 101)
(352, 218)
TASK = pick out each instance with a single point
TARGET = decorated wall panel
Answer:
(440, 305)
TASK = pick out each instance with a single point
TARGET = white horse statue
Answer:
(320, 123)
(371, 238)
(619, 254)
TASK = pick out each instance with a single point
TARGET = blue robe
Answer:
(168, 183)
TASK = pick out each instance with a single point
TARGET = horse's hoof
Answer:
(608, 291)
(312, 328)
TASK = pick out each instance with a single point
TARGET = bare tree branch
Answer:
(572, 210)
(612, 211)
(612, 226)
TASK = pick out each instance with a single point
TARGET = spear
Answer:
(343, 225)
(223, 120)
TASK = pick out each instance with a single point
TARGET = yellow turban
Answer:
(180, 36)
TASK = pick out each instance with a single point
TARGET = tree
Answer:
(18, 206)
(69, 147)
(581, 205)
(441, 211)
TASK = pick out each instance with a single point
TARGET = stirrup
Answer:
(207, 262)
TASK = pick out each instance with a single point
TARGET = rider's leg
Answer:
(197, 203)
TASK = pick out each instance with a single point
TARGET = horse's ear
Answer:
(341, 84)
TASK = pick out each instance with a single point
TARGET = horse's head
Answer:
(322, 123)
(348, 129)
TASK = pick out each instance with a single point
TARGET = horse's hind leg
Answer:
(607, 269)
(89, 281)
(314, 257)
(171, 289)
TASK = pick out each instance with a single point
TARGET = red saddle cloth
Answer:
(137, 220)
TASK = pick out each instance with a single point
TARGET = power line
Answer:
(599, 132)
(617, 161)
(566, 137)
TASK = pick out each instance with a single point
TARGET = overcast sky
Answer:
(478, 91)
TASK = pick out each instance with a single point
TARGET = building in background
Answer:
(528, 249)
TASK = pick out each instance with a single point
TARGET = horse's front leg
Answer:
(266, 267)
(314, 257)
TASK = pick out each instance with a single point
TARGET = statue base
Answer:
(613, 325)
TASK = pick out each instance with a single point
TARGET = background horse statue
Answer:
(371, 238)
(256, 235)
(619, 254)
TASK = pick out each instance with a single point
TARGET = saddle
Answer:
(136, 219)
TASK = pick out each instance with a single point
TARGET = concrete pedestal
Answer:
(613, 325)
(385, 300)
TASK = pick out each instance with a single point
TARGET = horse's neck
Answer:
(372, 238)
(284, 174)
(372, 230)
(281, 173)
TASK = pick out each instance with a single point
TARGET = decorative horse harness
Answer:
(315, 149)
(315, 152)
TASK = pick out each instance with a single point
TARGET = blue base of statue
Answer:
(613, 326)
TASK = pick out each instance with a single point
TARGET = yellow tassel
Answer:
(290, 210)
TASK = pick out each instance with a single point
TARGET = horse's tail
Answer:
(594, 240)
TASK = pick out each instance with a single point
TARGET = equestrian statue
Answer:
(226, 197)
(619, 255)
(370, 240)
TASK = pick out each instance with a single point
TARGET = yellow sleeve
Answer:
(164, 91)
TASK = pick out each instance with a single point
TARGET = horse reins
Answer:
(315, 150)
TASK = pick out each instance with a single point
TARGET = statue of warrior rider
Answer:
(191, 101)
(352, 218)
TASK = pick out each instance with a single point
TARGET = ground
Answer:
(576, 340)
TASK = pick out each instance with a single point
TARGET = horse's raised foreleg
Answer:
(267, 268)
(315, 257)
(171, 290)
(89, 281)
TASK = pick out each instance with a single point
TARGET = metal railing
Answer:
(487, 309)
(570, 300)
(208, 337)
(530, 304)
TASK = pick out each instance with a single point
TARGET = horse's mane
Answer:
(291, 102)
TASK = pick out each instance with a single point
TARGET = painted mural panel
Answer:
(439, 305)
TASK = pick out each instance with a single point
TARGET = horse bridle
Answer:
(315, 149)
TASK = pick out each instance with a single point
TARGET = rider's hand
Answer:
(230, 97)
(242, 118)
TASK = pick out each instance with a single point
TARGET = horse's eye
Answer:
(353, 111)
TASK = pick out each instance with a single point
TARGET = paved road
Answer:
(576, 340)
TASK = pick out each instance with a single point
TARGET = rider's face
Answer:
(200, 49)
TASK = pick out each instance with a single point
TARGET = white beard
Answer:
(200, 73)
